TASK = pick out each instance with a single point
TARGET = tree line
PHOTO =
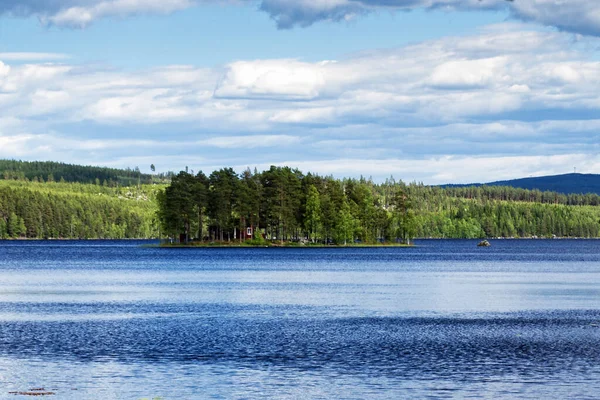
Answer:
(508, 193)
(285, 204)
(48, 171)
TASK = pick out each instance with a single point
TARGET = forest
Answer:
(287, 205)
(565, 183)
(48, 171)
(279, 204)
(63, 210)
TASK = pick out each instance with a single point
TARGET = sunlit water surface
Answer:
(115, 320)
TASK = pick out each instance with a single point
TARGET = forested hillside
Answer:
(285, 204)
(47, 171)
(77, 211)
(565, 184)
(503, 212)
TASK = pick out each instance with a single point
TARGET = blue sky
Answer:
(429, 90)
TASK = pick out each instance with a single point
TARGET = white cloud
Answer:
(443, 102)
(289, 79)
(469, 73)
(249, 142)
(4, 70)
(304, 115)
(82, 15)
(440, 81)
(48, 101)
(145, 106)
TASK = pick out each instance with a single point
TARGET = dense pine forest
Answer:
(76, 211)
(285, 204)
(565, 183)
(48, 171)
(55, 200)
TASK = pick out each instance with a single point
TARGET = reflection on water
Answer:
(444, 320)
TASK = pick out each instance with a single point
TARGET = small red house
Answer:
(248, 233)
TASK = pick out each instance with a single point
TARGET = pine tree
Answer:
(312, 219)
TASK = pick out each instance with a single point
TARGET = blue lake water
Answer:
(446, 319)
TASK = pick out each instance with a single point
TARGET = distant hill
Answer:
(567, 183)
(55, 171)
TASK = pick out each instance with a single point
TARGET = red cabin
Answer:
(248, 233)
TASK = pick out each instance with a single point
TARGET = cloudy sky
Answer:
(429, 90)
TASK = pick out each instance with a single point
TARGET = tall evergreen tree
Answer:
(312, 218)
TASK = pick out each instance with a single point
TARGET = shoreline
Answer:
(274, 246)
(286, 245)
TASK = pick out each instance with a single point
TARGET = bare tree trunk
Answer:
(200, 227)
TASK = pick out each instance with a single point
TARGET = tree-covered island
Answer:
(283, 205)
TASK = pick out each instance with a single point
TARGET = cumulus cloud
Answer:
(271, 78)
(441, 81)
(468, 73)
(452, 100)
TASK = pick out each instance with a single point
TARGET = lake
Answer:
(446, 319)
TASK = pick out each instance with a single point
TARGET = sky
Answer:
(434, 91)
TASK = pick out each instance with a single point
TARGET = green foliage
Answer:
(403, 215)
(289, 206)
(486, 212)
(73, 210)
(283, 204)
(248, 202)
(259, 241)
(507, 193)
(312, 217)
(345, 225)
(177, 204)
(565, 183)
(223, 200)
(52, 171)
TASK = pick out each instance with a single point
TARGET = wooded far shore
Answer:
(280, 203)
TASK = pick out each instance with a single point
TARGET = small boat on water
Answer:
(484, 243)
